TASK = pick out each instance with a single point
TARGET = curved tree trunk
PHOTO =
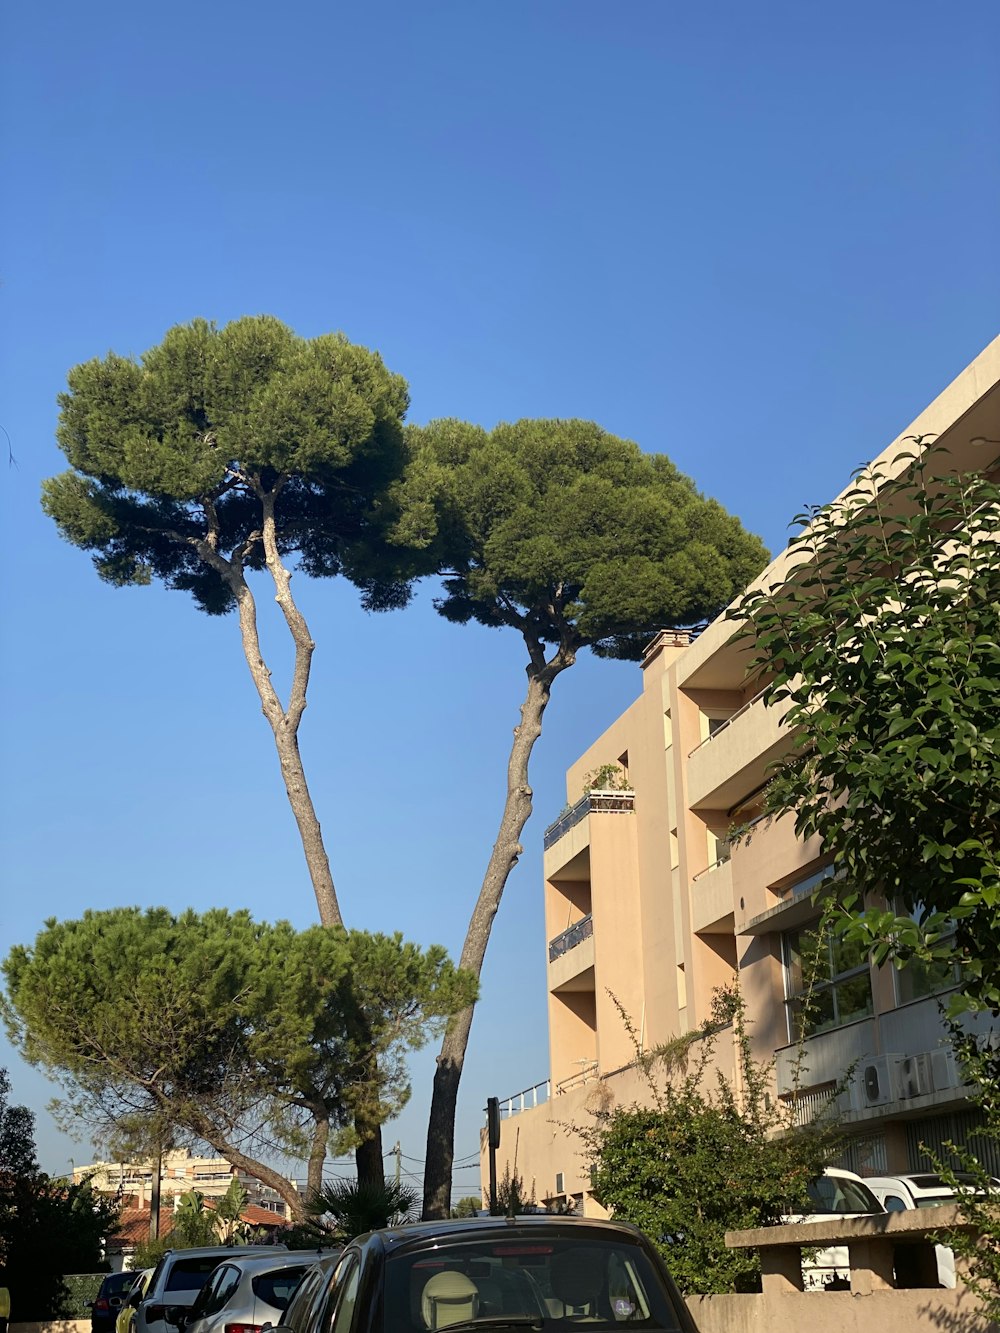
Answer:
(209, 1131)
(284, 722)
(504, 857)
(284, 726)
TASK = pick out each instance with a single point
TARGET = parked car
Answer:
(109, 1300)
(836, 1193)
(180, 1275)
(922, 1189)
(125, 1323)
(917, 1190)
(507, 1273)
(242, 1295)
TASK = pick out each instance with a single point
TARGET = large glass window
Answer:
(920, 977)
(827, 982)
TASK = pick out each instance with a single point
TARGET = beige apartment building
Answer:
(648, 908)
(180, 1172)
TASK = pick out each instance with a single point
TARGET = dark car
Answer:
(110, 1299)
(543, 1272)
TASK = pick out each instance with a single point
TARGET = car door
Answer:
(212, 1298)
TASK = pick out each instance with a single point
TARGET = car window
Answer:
(277, 1288)
(190, 1274)
(560, 1281)
(839, 1194)
(203, 1301)
(307, 1297)
(346, 1294)
(894, 1204)
(116, 1283)
(216, 1292)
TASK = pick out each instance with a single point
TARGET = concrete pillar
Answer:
(780, 1269)
(871, 1266)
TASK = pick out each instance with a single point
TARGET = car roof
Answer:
(227, 1251)
(417, 1234)
(920, 1181)
(252, 1263)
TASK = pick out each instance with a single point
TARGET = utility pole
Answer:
(397, 1152)
(154, 1198)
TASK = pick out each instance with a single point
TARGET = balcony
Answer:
(736, 758)
(571, 957)
(712, 898)
(594, 802)
(569, 939)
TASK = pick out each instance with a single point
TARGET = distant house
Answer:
(133, 1228)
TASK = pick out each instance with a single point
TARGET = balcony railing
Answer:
(526, 1099)
(721, 861)
(594, 802)
(728, 722)
(588, 1072)
(580, 930)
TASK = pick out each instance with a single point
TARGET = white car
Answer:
(244, 1295)
(836, 1193)
(899, 1194)
(178, 1278)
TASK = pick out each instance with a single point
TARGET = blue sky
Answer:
(757, 238)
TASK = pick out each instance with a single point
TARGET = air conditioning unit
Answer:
(914, 1075)
(851, 1097)
(875, 1080)
(560, 1183)
(944, 1070)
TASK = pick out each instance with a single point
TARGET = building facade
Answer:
(648, 909)
(180, 1172)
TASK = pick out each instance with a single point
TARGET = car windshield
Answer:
(115, 1283)
(551, 1284)
(840, 1194)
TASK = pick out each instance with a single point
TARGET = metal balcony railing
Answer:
(588, 1072)
(536, 1095)
(578, 932)
(594, 802)
(728, 722)
(726, 856)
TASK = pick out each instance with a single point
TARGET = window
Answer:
(838, 975)
(278, 1287)
(810, 883)
(346, 1293)
(190, 1274)
(919, 978)
(550, 1281)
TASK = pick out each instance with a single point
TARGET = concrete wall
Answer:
(842, 1312)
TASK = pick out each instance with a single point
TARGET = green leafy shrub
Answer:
(703, 1158)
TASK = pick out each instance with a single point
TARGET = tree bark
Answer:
(317, 1154)
(213, 1136)
(504, 857)
(368, 1156)
(284, 722)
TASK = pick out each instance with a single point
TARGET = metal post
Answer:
(154, 1196)
(493, 1132)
